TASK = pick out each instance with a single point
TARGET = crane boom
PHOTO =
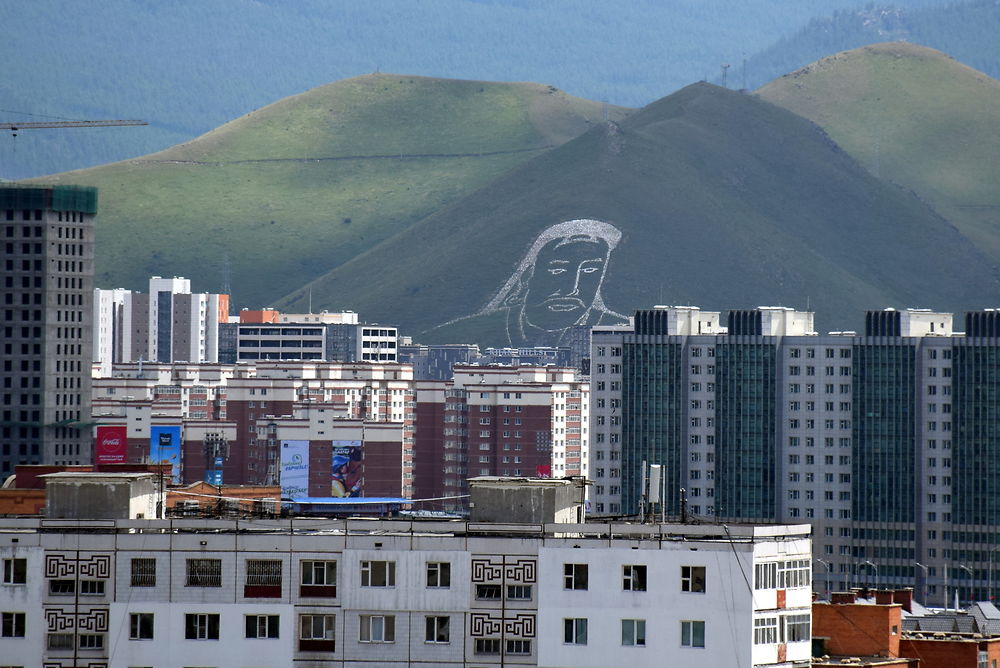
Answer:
(68, 124)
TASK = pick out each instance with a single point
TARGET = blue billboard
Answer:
(165, 448)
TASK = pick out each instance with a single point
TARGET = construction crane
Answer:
(14, 127)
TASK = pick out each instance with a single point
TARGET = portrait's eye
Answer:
(589, 270)
(557, 271)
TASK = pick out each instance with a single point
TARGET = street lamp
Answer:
(829, 574)
(874, 568)
(972, 576)
(924, 601)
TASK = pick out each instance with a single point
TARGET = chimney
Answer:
(843, 597)
(904, 597)
(884, 597)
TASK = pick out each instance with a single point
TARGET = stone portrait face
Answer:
(565, 281)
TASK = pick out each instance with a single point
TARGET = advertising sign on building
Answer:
(294, 469)
(165, 448)
(346, 477)
(111, 446)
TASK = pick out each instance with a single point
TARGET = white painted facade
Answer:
(504, 601)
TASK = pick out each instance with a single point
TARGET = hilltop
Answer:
(722, 200)
(271, 200)
(915, 117)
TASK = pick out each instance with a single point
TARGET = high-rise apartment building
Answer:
(169, 324)
(886, 441)
(46, 279)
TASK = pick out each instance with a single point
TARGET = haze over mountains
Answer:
(188, 66)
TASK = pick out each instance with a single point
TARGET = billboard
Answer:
(111, 446)
(213, 475)
(346, 475)
(165, 447)
(294, 469)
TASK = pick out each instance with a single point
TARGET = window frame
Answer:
(142, 575)
(201, 626)
(633, 632)
(367, 625)
(13, 622)
(211, 577)
(15, 571)
(253, 623)
(368, 571)
(434, 629)
(440, 573)
(634, 577)
(137, 626)
(575, 630)
(576, 577)
(690, 629)
(693, 579)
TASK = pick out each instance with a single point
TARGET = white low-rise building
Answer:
(393, 593)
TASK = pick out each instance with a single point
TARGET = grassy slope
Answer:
(725, 201)
(261, 194)
(913, 116)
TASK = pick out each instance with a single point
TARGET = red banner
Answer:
(111, 446)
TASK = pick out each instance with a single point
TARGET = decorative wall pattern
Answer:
(515, 625)
(66, 565)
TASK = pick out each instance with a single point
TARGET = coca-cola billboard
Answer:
(111, 446)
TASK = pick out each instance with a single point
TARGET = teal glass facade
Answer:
(976, 435)
(746, 439)
(883, 433)
(652, 418)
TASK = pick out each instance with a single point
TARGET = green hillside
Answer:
(723, 201)
(280, 196)
(915, 117)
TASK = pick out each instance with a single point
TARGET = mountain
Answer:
(275, 198)
(721, 200)
(915, 117)
(965, 30)
(188, 66)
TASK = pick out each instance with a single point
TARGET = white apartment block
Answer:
(394, 594)
(766, 420)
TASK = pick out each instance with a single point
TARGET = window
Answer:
(318, 578)
(316, 633)
(439, 574)
(262, 626)
(634, 632)
(519, 592)
(263, 579)
(519, 647)
(140, 625)
(575, 631)
(60, 641)
(436, 630)
(765, 576)
(692, 634)
(15, 571)
(693, 578)
(574, 576)
(91, 641)
(62, 587)
(487, 646)
(378, 573)
(12, 625)
(634, 578)
(204, 573)
(488, 592)
(378, 628)
(765, 630)
(201, 626)
(143, 572)
(795, 628)
(92, 587)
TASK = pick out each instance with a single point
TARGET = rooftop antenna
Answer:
(725, 75)
(226, 274)
(604, 109)
(744, 71)
(310, 300)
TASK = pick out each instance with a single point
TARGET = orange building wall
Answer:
(223, 309)
(21, 501)
(858, 630)
(942, 653)
(265, 316)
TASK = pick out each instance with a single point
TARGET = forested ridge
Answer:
(188, 66)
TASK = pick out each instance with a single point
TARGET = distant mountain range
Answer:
(502, 213)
